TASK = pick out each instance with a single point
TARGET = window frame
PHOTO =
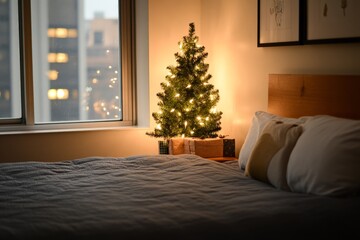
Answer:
(128, 74)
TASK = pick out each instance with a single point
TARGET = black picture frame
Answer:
(332, 21)
(279, 23)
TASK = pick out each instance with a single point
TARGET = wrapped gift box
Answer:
(209, 147)
(229, 147)
(176, 146)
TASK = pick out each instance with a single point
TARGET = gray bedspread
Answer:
(160, 197)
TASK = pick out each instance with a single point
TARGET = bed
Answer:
(304, 192)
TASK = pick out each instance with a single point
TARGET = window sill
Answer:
(68, 127)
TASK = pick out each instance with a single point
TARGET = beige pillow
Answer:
(326, 158)
(269, 158)
(259, 120)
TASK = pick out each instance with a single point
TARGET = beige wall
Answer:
(240, 68)
(227, 29)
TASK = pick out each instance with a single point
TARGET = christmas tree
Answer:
(188, 101)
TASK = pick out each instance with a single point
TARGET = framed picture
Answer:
(278, 23)
(331, 21)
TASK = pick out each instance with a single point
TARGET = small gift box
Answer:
(176, 146)
(208, 147)
(229, 147)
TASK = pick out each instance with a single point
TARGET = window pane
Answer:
(76, 63)
(10, 88)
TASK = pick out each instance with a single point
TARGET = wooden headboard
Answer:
(294, 95)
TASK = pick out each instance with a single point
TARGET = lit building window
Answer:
(58, 57)
(53, 74)
(62, 33)
(58, 94)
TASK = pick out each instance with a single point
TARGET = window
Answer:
(10, 88)
(98, 38)
(63, 80)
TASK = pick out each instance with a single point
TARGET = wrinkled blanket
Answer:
(160, 197)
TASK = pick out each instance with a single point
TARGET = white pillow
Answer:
(259, 120)
(326, 158)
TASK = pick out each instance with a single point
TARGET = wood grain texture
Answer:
(295, 95)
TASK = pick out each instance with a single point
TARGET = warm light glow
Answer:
(58, 58)
(53, 75)
(62, 94)
(52, 94)
(62, 33)
(58, 94)
(7, 95)
(177, 95)
(188, 86)
(72, 33)
(185, 123)
(172, 110)
(191, 100)
(158, 126)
